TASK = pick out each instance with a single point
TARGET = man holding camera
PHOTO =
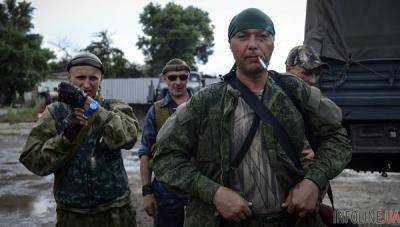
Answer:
(79, 139)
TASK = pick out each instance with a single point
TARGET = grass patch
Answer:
(22, 114)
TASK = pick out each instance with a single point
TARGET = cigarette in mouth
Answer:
(262, 63)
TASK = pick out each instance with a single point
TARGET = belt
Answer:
(118, 202)
(281, 217)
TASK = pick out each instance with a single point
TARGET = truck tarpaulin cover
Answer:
(354, 30)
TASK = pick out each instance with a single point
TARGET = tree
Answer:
(23, 62)
(175, 32)
(113, 59)
(66, 47)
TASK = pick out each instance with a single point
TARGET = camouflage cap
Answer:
(85, 58)
(304, 57)
(175, 64)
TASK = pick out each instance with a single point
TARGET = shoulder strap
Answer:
(247, 142)
(161, 114)
(307, 128)
(267, 116)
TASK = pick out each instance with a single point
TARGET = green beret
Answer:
(175, 64)
(85, 58)
(251, 18)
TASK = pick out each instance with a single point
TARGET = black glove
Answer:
(72, 127)
(71, 95)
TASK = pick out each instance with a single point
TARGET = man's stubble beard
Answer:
(255, 72)
(178, 94)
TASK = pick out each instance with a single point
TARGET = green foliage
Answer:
(114, 61)
(23, 62)
(175, 32)
(22, 114)
(58, 66)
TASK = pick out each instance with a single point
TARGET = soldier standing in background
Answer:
(166, 207)
(303, 62)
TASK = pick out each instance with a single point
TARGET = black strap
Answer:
(307, 128)
(247, 142)
(266, 116)
(330, 195)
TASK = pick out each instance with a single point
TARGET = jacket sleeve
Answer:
(149, 133)
(45, 151)
(120, 126)
(334, 151)
(176, 141)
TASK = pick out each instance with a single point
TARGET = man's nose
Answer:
(252, 44)
(179, 81)
(312, 80)
(86, 84)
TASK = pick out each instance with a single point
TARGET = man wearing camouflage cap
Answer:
(79, 140)
(166, 207)
(198, 147)
(304, 63)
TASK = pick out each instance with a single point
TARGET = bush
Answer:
(22, 114)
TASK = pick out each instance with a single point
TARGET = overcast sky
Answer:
(78, 21)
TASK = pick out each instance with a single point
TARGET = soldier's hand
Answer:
(72, 127)
(79, 113)
(71, 95)
(231, 205)
(149, 203)
(302, 199)
(309, 154)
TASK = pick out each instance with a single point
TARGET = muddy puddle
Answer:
(27, 199)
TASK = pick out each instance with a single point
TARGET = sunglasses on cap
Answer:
(181, 77)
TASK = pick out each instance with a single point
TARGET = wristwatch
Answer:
(93, 107)
(147, 190)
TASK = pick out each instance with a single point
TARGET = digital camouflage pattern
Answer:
(201, 130)
(114, 217)
(304, 57)
(92, 179)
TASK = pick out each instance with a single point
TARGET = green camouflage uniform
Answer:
(193, 146)
(91, 186)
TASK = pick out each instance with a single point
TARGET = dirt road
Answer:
(27, 200)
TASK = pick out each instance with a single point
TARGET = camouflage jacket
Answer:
(93, 175)
(193, 146)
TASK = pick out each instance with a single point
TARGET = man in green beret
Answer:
(166, 207)
(236, 165)
(79, 140)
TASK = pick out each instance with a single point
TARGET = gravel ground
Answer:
(27, 200)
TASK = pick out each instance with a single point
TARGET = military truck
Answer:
(360, 40)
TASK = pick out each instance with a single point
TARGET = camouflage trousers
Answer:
(124, 216)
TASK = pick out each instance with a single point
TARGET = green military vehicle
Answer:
(360, 40)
